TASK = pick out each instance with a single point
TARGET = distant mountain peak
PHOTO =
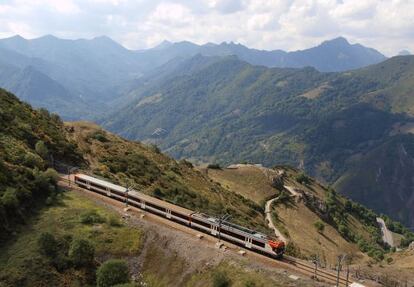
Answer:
(15, 38)
(163, 45)
(404, 53)
(339, 41)
(103, 38)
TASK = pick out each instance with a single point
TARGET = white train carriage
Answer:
(226, 230)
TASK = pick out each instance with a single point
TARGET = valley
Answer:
(312, 147)
(336, 126)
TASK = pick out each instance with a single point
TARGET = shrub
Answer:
(249, 283)
(302, 178)
(214, 166)
(41, 149)
(292, 249)
(32, 160)
(100, 136)
(47, 244)
(9, 199)
(112, 272)
(320, 226)
(155, 148)
(114, 221)
(81, 252)
(91, 217)
(220, 280)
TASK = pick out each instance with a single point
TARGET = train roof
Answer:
(241, 229)
(101, 182)
(160, 202)
(135, 193)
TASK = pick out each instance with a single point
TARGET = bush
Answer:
(249, 283)
(81, 252)
(292, 249)
(302, 178)
(220, 280)
(112, 272)
(9, 199)
(41, 149)
(31, 160)
(91, 217)
(155, 148)
(100, 136)
(320, 226)
(114, 221)
(47, 244)
(214, 166)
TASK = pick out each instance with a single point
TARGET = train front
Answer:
(278, 247)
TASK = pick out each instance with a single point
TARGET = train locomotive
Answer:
(225, 230)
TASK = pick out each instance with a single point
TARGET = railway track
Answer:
(303, 267)
(317, 273)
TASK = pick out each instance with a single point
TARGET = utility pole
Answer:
(340, 258)
(347, 275)
(73, 168)
(221, 219)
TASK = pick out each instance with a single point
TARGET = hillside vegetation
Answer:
(148, 170)
(80, 79)
(30, 142)
(327, 123)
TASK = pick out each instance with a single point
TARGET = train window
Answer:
(179, 215)
(155, 206)
(200, 222)
(118, 193)
(231, 233)
(258, 243)
(80, 180)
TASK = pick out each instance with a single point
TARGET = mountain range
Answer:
(82, 78)
(352, 129)
(334, 110)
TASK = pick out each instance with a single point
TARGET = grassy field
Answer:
(237, 276)
(21, 263)
(249, 182)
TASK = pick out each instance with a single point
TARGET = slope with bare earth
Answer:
(296, 213)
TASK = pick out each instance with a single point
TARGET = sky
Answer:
(264, 24)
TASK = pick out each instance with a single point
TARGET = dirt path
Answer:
(292, 191)
(386, 234)
(269, 219)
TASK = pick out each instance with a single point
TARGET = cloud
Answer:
(264, 24)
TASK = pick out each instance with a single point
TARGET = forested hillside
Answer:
(230, 111)
(30, 141)
(80, 79)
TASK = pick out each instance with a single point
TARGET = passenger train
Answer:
(223, 229)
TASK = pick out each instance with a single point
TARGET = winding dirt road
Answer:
(269, 219)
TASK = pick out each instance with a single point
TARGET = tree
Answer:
(112, 272)
(320, 226)
(41, 149)
(81, 252)
(9, 199)
(47, 244)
